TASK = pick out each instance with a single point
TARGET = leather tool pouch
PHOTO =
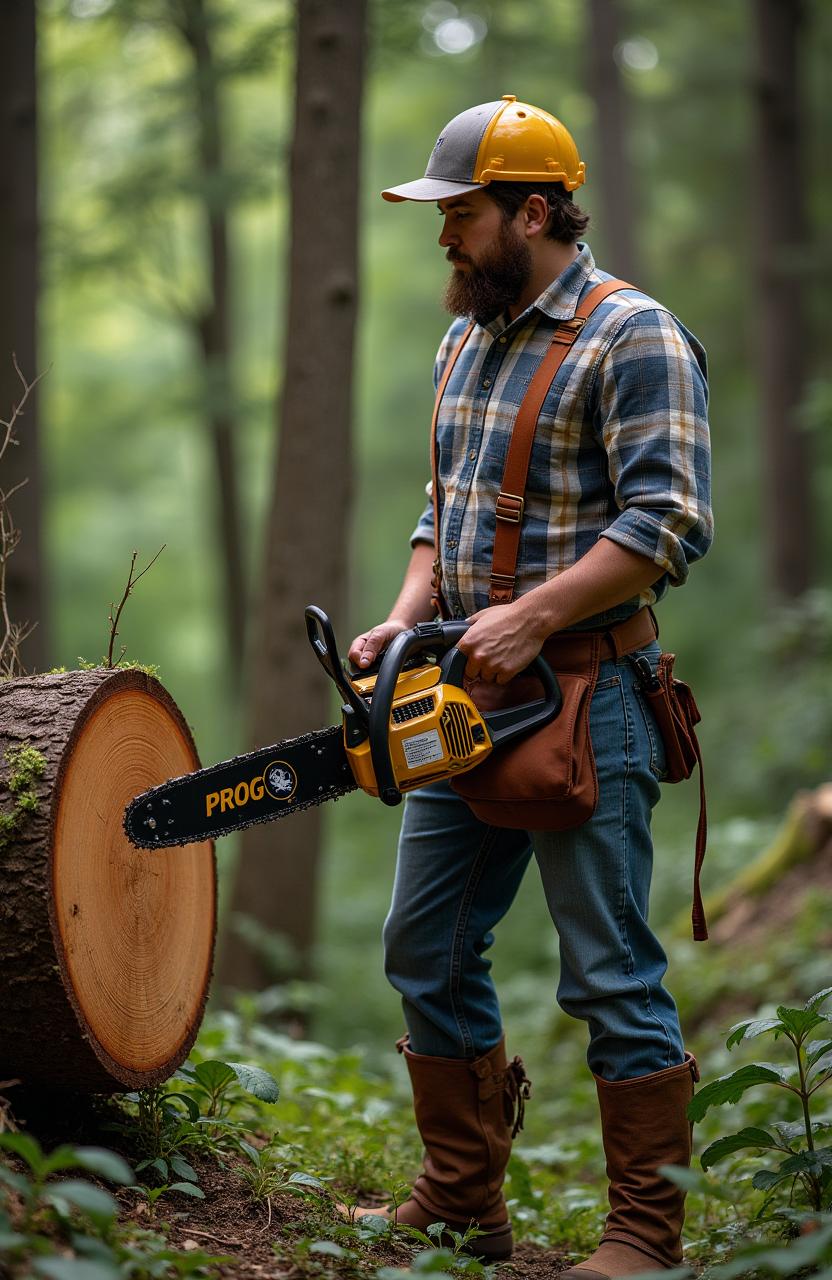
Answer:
(547, 781)
(676, 713)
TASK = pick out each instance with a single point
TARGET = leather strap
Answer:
(511, 499)
(437, 599)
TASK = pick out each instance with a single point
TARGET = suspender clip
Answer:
(510, 507)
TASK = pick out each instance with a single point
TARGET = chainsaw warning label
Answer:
(422, 748)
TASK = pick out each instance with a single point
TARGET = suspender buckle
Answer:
(510, 507)
(568, 330)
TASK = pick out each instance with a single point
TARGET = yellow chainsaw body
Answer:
(435, 732)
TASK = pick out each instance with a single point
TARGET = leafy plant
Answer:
(169, 1120)
(803, 1163)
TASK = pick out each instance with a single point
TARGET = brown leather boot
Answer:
(644, 1125)
(467, 1114)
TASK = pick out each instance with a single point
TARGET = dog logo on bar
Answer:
(281, 780)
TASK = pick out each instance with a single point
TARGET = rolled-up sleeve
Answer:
(651, 412)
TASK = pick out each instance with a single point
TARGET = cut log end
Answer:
(117, 942)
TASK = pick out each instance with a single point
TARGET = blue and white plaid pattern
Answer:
(622, 447)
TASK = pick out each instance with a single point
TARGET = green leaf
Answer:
(17, 1181)
(818, 998)
(190, 1105)
(11, 1242)
(214, 1075)
(97, 1204)
(75, 1269)
(750, 1028)
(63, 1157)
(799, 1022)
(730, 1088)
(183, 1169)
(25, 1146)
(106, 1164)
(328, 1247)
(817, 1049)
(814, 1162)
(188, 1189)
(305, 1180)
(751, 1137)
(256, 1081)
(765, 1179)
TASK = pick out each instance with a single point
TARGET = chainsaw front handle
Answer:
(503, 725)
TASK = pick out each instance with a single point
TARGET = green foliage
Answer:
(39, 1211)
(803, 1164)
(193, 1112)
(25, 764)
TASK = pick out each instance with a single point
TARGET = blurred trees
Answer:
(307, 531)
(782, 245)
(26, 596)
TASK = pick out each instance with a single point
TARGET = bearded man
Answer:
(616, 508)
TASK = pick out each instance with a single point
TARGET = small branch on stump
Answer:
(113, 620)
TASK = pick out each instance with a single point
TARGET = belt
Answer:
(578, 648)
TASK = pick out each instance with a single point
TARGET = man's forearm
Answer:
(605, 577)
(413, 601)
(504, 639)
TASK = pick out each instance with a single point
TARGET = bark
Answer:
(782, 252)
(105, 951)
(19, 274)
(614, 174)
(307, 532)
(213, 326)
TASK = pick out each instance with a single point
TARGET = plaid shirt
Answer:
(621, 449)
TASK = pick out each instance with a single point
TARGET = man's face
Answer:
(491, 259)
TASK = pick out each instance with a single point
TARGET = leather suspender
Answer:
(511, 499)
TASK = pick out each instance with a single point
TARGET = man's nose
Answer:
(447, 237)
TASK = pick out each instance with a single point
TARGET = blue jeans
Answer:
(456, 878)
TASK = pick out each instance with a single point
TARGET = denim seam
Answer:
(454, 985)
(629, 747)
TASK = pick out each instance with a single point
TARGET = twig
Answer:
(113, 621)
(207, 1235)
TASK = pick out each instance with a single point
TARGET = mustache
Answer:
(454, 256)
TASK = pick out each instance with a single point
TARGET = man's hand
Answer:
(366, 647)
(501, 641)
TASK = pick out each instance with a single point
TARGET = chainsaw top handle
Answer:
(503, 725)
(322, 639)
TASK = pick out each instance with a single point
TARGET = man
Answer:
(616, 508)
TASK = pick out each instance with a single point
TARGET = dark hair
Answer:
(567, 222)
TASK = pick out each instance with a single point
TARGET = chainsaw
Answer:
(406, 721)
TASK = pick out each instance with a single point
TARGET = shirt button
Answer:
(472, 454)
(451, 543)
(486, 382)
(503, 340)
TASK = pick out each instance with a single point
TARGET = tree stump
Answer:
(105, 950)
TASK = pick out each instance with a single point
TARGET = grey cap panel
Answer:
(455, 153)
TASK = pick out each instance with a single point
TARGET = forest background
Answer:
(126, 411)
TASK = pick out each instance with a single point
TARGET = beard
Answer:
(493, 283)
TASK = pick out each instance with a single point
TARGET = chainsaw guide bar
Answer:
(258, 787)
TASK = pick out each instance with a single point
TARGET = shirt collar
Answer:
(559, 301)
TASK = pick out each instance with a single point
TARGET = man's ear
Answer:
(535, 214)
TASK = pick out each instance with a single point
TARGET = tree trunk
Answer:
(213, 328)
(19, 273)
(105, 950)
(614, 169)
(782, 252)
(307, 531)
